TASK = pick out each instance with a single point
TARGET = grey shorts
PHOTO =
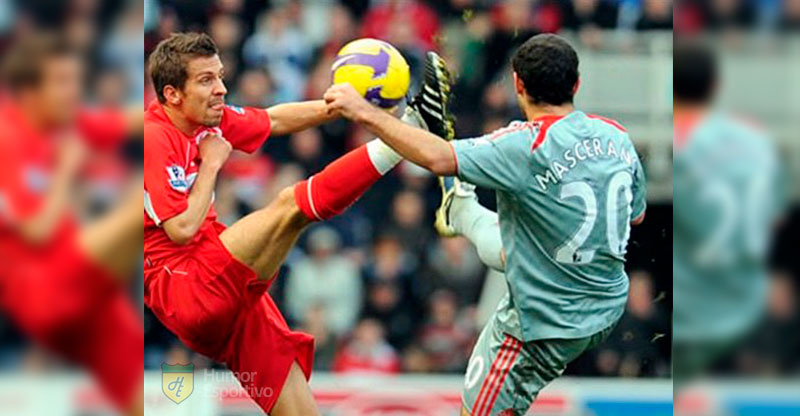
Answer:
(505, 375)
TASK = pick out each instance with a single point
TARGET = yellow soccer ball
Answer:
(375, 69)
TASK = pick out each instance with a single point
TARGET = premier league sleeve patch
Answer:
(236, 109)
(177, 178)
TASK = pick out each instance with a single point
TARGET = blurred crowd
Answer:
(693, 16)
(378, 289)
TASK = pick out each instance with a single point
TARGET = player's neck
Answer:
(534, 111)
(682, 111)
(180, 121)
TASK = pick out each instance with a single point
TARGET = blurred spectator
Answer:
(453, 264)
(790, 15)
(111, 88)
(306, 149)
(416, 360)
(591, 13)
(446, 344)
(327, 280)
(693, 16)
(247, 176)
(729, 14)
(226, 30)
(388, 277)
(589, 17)
(634, 347)
(283, 50)
(342, 28)
(414, 177)
(286, 175)
(324, 341)
(388, 304)
(772, 349)
(254, 89)
(406, 222)
(656, 15)
(407, 24)
(122, 52)
(367, 352)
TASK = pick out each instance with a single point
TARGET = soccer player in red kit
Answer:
(61, 281)
(207, 283)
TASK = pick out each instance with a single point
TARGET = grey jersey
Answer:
(727, 193)
(567, 189)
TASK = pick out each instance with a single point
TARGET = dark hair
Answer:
(168, 61)
(694, 72)
(548, 67)
(23, 64)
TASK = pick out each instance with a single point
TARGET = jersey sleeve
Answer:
(496, 161)
(639, 190)
(165, 183)
(246, 128)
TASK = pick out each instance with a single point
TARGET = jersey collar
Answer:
(550, 118)
(682, 128)
(156, 111)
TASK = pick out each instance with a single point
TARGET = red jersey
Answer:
(171, 164)
(27, 162)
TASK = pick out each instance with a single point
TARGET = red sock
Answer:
(339, 185)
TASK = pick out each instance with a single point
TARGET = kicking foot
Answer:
(431, 106)
(452, 188)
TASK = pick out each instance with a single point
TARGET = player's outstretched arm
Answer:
(293, 117)
(214, 150)
(415, 144)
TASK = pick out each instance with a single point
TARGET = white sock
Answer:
(383, 157)
(480, 226)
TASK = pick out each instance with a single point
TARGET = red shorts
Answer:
(217, 306)
(73, 307)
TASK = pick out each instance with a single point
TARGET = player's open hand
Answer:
(214, 150)
(344, 100)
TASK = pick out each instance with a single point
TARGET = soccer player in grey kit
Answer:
(569, 186)
(730, 192)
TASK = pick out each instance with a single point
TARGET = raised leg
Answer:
(115, 240)
(461, 214)
(480, 226)
(136, 408)
(295, 398)
(263, 238)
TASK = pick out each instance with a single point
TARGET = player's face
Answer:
(204, 91)
(59, 94)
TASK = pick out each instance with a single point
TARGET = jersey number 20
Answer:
(571, 252)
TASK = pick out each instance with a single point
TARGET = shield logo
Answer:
(177, 381)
